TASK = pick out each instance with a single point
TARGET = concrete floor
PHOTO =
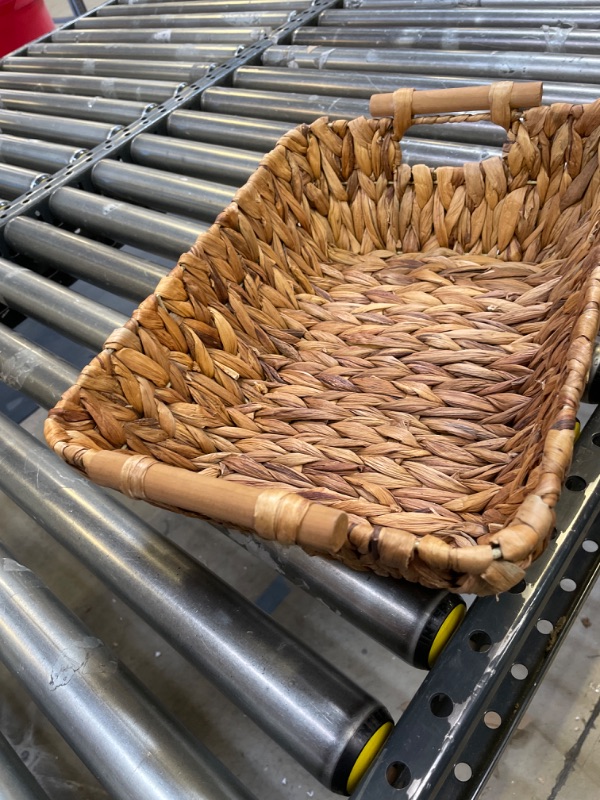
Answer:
(554, 756)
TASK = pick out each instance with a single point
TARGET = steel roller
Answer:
(96, 87)
(167, 236)
(104, 266)
(532, 17)
(132, 745)
(500, 66)
(236, 36)
(78, 108)
(110, 67)
(15, 779)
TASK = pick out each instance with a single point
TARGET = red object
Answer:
(21, 21)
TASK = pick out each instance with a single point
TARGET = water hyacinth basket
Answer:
(382, 363)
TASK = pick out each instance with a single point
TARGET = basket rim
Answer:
(499, 563)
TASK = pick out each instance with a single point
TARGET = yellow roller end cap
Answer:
(367, 755)
(577, 429)
(447, 629)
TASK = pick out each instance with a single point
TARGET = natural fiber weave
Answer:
(405, 344)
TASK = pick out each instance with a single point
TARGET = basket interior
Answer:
(395, 342)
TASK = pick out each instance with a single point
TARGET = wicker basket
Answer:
(378, 362)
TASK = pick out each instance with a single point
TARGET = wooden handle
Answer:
(470, 98)
(272, 513)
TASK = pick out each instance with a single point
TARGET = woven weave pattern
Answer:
(407, 345)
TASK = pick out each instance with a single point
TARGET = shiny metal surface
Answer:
(96, 87)
(220, 7)
(227, 164)
(159, 50)
(551, 40)
(149, 19)
(395, 613)
(99, 264)
(77, 108)
(110, 67)
(36, 154)
(56, 129)
(151, 231)
(301, 701)
(161, 190)
(434, 5)
(532, 17)
(348, 84)
(16, 782)
(250, 132)
(499, 65)
(174, 35)
(298, 108)
(66, 311)
(15, 181)
(32, 369)
(135, 749)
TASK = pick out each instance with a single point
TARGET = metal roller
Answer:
(77, 108)
(83, 258)
(552, 66)
(132, 745)
(133, 7)
(151, 231)
(65, 311)
(173, 35)
(15, 181)
(263, 135)
(413, 622)
(322, 718)
(116, 88)
(160, 190)
(36, 154)
(299, 108)
(551, 40)
(269, 19)
(368, 5)
(28, 367)
(533, 17)
(15, 779)
(110, 67)
(351, 84)
(252, 133)
(57, 129)
(227, 164)
(157, 51)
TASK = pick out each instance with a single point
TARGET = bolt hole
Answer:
(463, 772)
(441, 705)
(568, 585)
(590, 546)
(492, 720)
(596, 439)
(480, 641)
(519, 672)
(575, 483)
(545, 626)
(398, 775)
(519, 588)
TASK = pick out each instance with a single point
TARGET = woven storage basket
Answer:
(376, 361)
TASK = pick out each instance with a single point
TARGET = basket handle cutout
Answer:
(499, 98)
